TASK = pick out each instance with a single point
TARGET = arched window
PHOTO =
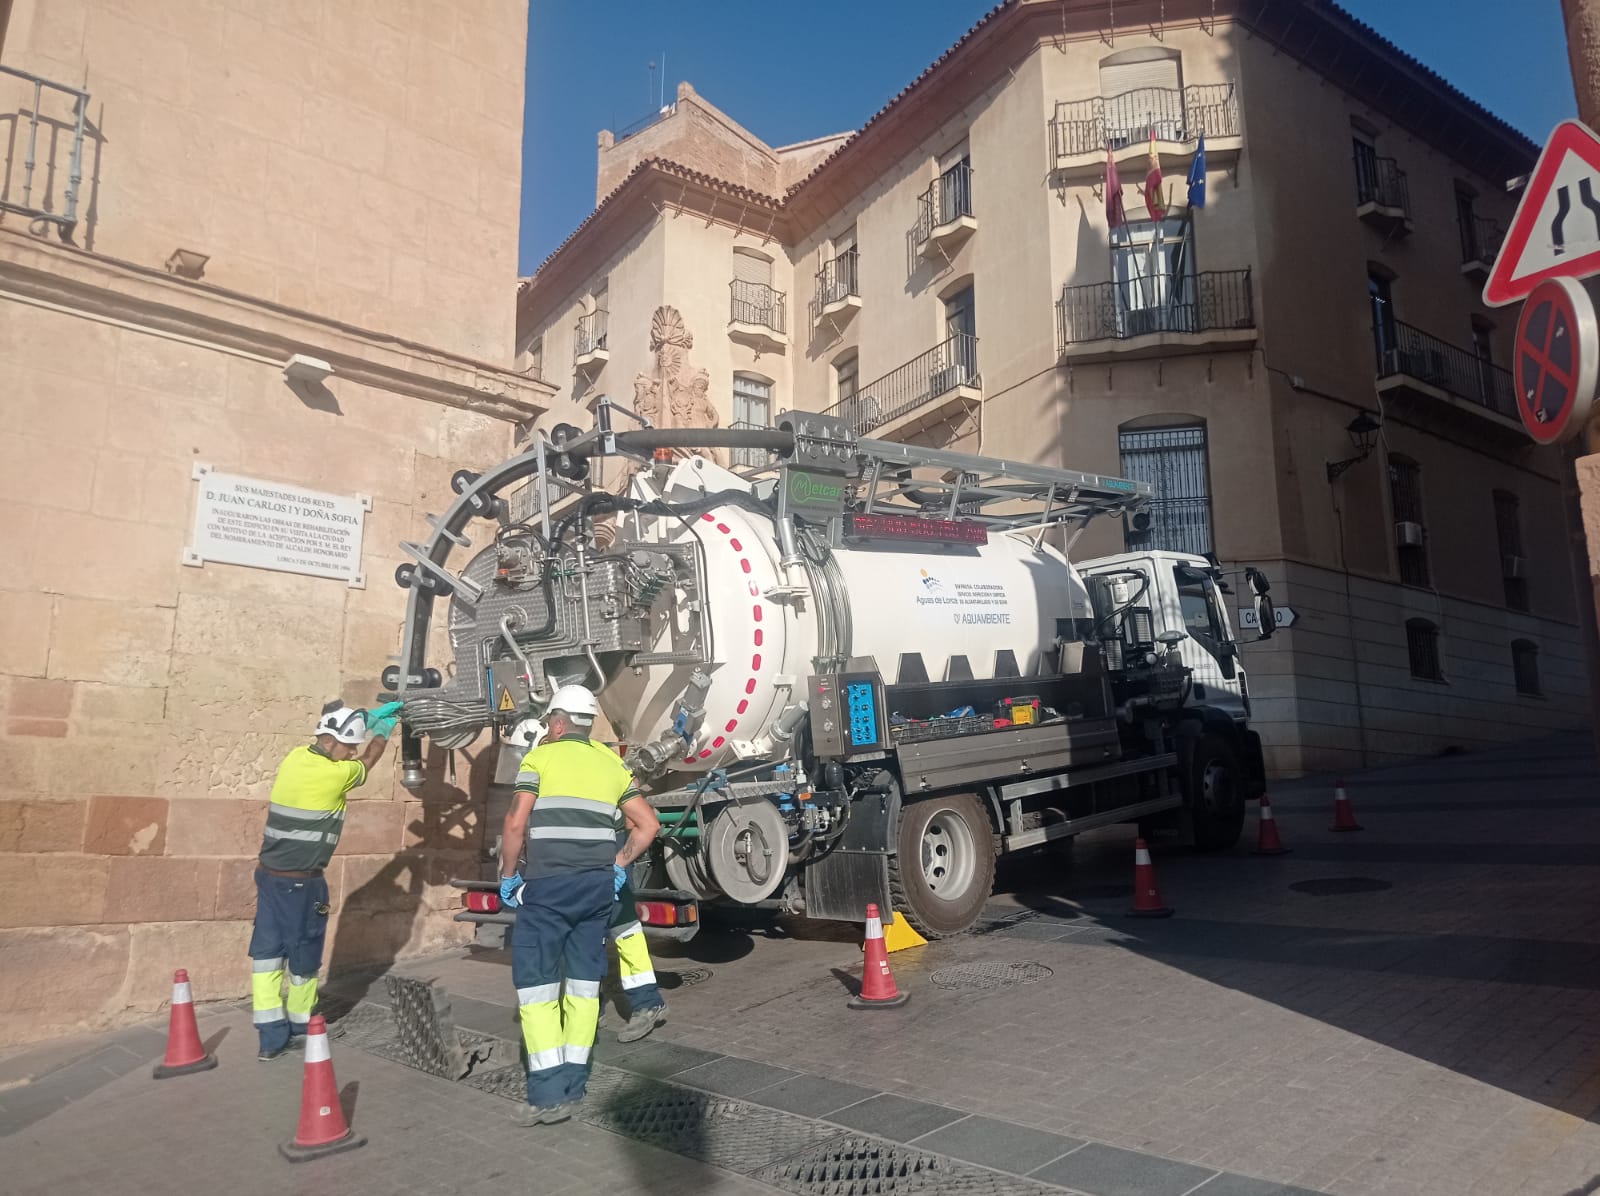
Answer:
(1525, 666)
(1173, 459)
(1422, 643)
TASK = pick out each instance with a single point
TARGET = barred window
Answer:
(1525, 666)
(1508, 536)
(752, 408)
(1422, 643)
(1173, 461)
(1405, 492)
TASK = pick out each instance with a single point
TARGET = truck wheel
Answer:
(943, 867)
(1216, 794)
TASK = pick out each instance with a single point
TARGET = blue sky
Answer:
(789, 75)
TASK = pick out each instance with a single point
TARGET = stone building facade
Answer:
(254, 181)
(1302, 365)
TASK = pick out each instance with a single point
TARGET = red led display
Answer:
(905, 527)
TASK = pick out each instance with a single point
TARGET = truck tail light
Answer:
(482, 903)
(664, 913)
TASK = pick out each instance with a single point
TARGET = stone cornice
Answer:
(102, 288)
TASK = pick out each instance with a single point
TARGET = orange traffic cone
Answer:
(1267, 840)
(1344, 817)
(878, 990)
(184, 1052)
(323, 1129)
(1147, 901)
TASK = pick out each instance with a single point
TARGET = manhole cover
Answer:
(990, 975)
(1332, 886)
(687, 978)
(855, 1166)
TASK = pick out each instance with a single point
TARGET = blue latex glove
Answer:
(508, 890)
(382, 726)
(385, 711)
(618, 879)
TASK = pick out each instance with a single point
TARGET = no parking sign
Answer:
(1556, 360)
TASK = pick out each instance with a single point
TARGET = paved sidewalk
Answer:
(1414, 1008)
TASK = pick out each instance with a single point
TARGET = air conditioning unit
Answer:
(1408, 534)
(948, 378)
(1513, 566)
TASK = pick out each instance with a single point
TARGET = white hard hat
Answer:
(345, 724)
(576, 701)
(529, 733)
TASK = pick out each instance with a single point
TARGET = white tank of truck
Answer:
(951, 610)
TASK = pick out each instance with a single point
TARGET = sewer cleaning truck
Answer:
(857, 672)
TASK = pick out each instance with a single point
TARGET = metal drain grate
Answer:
(687, 978)
(730, 1134)
(990, 975)
(1333, 886)
(856, 1166)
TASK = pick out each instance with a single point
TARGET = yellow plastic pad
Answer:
(898, 934)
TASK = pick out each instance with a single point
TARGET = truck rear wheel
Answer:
(1215, 794)
(943, 868)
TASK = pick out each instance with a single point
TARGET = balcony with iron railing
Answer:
(1144, 316)
(1383, 197)
(26, 189)
(837, 296)
(944, 212)
(1481, 238)
(589, 350)
(933, 387)
(758, 316)
(1425, 376)
(1081, 131)
(751, 459)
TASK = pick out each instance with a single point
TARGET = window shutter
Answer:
(1119, 78)
(747, 267)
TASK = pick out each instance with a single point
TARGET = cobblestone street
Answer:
(1411, 1009)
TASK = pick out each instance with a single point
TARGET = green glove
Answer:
(382, 726)
(384, 711)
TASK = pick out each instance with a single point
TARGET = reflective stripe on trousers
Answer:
(637, 972)
(558, 956)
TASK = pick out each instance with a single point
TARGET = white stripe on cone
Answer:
(181, 994)
(874, 928)
(1266, 812)
(1141, 855)
(317, 1048)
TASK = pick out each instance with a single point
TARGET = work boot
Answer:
(526, 1115)
(266, 1056)
(641, 1023)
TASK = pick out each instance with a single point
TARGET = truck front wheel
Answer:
(1215, 794)
(943, 867)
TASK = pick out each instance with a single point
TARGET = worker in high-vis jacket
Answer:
(305, 815)
(572, 798)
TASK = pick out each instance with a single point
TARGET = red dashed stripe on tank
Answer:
(756, 641)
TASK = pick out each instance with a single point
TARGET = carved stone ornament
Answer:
(674, 394)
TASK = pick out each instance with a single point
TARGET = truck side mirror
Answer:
(1266, 616)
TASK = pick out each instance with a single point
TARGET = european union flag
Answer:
(1197, 176)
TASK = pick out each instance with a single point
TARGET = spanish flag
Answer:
(1152, 184)
(1116, 215)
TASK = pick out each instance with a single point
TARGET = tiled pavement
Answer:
(1411, 1009)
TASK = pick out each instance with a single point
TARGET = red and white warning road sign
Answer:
(1556, 231)
(1556, 360)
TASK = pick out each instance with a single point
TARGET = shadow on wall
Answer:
(383, 897)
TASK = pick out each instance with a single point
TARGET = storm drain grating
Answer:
(366, 1024)
(858, 1166)
(687, 978)
(1333, 886)
(730, 1134)
(990, 975)
(508, 1082)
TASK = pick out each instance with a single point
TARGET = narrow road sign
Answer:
(1556, 360)
(1556, 231)
(1282, 617)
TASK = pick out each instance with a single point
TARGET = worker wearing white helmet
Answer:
(573, 796)
(305, 815)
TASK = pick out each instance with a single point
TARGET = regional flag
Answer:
(1152, 184)
(1116, 215)
(1197, 176)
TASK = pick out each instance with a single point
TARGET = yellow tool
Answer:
(898, 934)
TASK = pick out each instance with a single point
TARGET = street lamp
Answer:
(1363, 430)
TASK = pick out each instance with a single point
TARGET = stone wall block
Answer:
(126, 826)
(31, 826)
(112, 642)
(371, 826)
(224, 826)
(53, 890)
(214, 953)
(74, 982)
(161, 889)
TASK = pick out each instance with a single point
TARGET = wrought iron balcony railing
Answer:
(1480, 238)
(1170, 113)
(836, 282)
(591, 336)
(1215, 300)
(947, 200)
(1404, 351)
(1381, 181)
(757, 303)
(943, 368)
(37, 202)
